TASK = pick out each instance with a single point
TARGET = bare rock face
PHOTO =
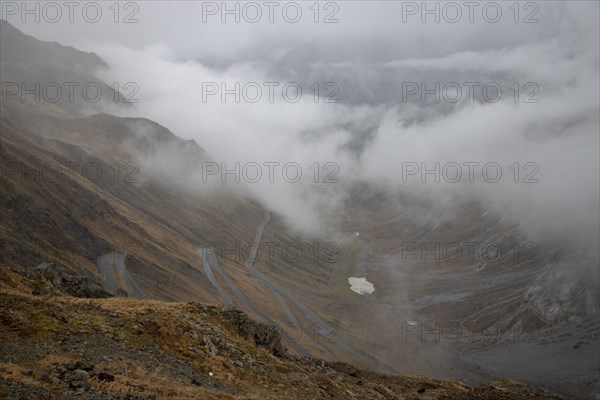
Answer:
(59, 280)
(263, 335)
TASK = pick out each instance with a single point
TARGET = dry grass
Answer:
(157, 351)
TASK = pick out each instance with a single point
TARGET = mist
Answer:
(542, 133)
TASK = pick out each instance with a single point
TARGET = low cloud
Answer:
(547, 150)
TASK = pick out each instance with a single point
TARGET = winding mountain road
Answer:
(257, 238)
(208, 271)
(112, 266)
(315, 322)
(320, 328)
(209, 259)
(117, 277)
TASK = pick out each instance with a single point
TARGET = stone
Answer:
(210, 346)
(81, 385)
(84, 365)
(78, 375)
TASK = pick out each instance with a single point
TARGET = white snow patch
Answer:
(361, 285)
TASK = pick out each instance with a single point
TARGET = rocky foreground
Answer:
(56, 346)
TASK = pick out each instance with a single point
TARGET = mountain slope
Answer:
(64, 347)
(118, 203)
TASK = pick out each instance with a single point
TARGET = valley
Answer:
(133, 266)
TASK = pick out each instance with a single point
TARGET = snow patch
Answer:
(361, 285)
